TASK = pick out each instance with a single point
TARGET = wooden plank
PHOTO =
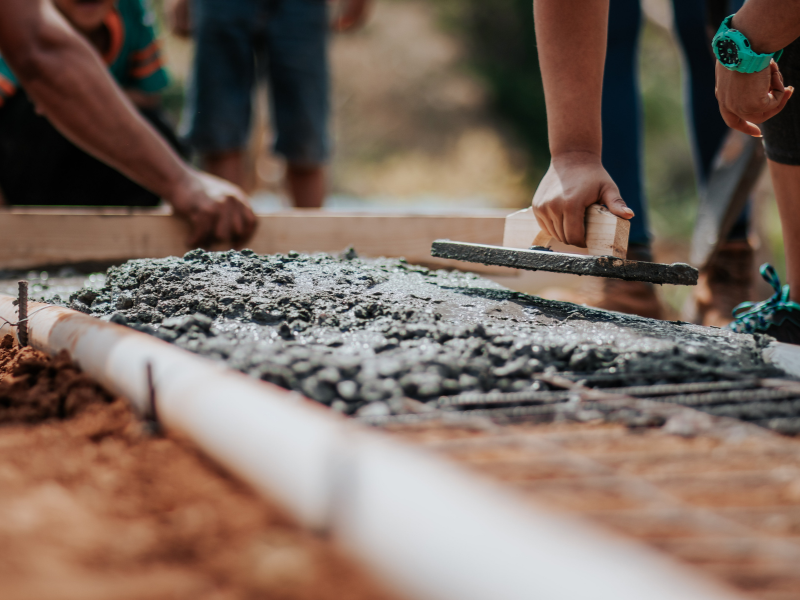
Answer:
(606, 234)
(35, 238)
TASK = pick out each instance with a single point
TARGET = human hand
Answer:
(353, 15)
(748, 99)
(179, 18)
(217, 211)
(574, 181)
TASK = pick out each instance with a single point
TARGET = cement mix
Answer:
(367, 334)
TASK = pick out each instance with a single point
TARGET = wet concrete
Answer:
(363, 334)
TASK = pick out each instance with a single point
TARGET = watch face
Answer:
(728, 52)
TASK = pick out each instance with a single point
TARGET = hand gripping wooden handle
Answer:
(606, 234)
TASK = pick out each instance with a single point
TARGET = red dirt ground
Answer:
(92, 507)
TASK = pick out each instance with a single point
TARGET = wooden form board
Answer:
(33, 238)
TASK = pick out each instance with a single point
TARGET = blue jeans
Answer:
(622, 110)
(240, 41)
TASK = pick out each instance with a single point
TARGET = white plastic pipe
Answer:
(433, 531)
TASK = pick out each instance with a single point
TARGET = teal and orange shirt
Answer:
(133, 56)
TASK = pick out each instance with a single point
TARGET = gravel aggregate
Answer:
(366, 335)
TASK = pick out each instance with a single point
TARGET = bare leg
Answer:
(228, 165)
(306, 185)
(786, 181)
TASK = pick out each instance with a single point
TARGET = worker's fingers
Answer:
(222, 230)
(734, 122)
(547, 220)
(783, 99)
(236, 222)
(544, 225)
(239, 226)
(246, 220)
(612, 200)
(768, 103)
(557, 221)
(777, 101)
(250, 222)
(201, 229)
(575, 229)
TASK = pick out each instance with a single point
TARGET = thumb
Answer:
(614, 203)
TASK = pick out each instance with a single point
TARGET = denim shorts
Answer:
(782, 132)
(240, 41)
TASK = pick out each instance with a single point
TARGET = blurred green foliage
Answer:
(501, 44)
(669, 169)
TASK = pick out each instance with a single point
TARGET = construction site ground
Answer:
(658, 431)
(95, 507)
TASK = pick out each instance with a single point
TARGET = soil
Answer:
(362, 334)
(94, 507)
(35, 387)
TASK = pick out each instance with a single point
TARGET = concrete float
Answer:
(425, 526)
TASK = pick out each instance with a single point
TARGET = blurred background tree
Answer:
(501, 44)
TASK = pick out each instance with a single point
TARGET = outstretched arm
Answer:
(69, 84)
(571, 37)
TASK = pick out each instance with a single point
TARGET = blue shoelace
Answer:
(754, 317)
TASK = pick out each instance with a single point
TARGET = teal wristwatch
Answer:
(733, 50)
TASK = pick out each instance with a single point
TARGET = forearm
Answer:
(68, 83)
(571, 38)
(770, 25)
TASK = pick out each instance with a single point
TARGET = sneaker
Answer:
(722, 286)
(777, 316)
(630, 297)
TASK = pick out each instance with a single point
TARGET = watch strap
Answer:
(749, 61)
(753, 63)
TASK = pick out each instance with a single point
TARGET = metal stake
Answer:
(22, 327)
(151, 418)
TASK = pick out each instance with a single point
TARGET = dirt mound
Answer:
(35, 387)
(94, 508)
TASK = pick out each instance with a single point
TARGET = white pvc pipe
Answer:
(427, 527)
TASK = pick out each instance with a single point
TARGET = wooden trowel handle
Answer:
(606, 234)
